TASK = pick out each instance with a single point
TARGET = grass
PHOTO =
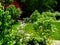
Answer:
(57, 33)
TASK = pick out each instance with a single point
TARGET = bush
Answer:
(5, 19)
(34, 16)
(42, 29)
(5, 24)
(49, 15)
(15, 13)
(44, 25)
(9, 34)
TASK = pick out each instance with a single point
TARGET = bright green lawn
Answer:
(57, 33)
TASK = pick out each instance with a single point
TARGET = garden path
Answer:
(56, 42)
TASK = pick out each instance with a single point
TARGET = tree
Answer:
(40, 5)
(15, 13)
(5, 1)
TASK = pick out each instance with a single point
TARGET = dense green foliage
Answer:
(42, 26)
(37, 32)
(34, 16)
(15, 13)
(38, 29)
(5, 24)
(40, 5)
(8, 29)
(6, 1)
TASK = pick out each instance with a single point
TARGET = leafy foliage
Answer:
(15, 13)
(6, 1)
(40, 5)
(10, 33)
(5, 24)
(37, 32)
(8, 29)
(5, 18)
(42, 27)
(34, 16)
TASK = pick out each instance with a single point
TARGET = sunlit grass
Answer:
(57, 33)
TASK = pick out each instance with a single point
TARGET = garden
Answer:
(34, 22)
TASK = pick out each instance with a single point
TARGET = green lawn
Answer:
(57, 33)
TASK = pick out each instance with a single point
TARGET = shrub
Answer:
(44, 25)
(42, 29)
(9, 34)
(15, 13)
(34, 16)
(49, 15)
(5, 24)
(5, 19)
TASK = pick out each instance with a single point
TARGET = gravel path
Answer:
(56, 42)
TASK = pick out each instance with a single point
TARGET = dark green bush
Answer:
(15, 13)
(5, 21)
(6, 1)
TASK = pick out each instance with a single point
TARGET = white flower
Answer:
(27, 35)
(21, 40)
(21, 31)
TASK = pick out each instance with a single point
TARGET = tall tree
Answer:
(40, 5)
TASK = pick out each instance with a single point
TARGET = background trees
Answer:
(40, 5)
